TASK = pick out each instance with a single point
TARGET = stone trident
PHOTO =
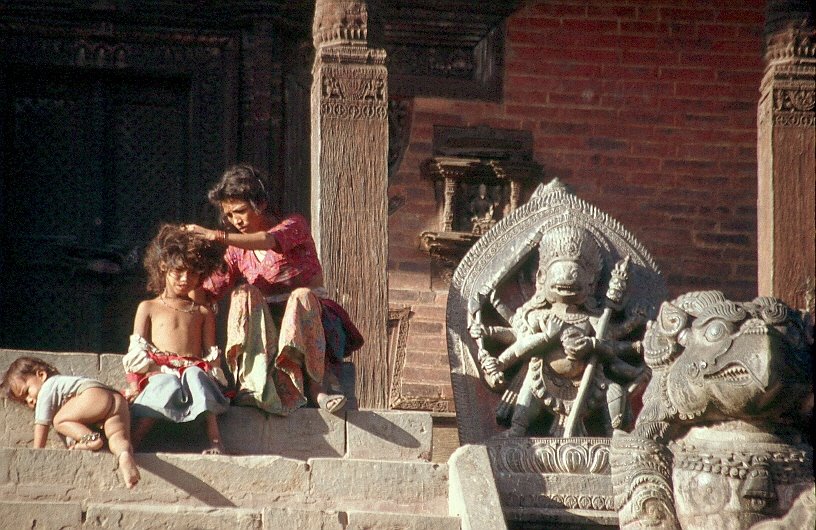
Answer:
(614, 296)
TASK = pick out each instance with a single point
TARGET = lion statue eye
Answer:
(715, 331)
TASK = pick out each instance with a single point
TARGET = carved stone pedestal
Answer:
(729, 481)
(554, 482)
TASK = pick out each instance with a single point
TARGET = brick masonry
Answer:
(646, 109)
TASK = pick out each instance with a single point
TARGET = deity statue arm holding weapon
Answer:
(614, 299)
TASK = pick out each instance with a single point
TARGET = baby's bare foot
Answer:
(128, 469)
(88, 442)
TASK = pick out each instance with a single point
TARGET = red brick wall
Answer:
(647, 109)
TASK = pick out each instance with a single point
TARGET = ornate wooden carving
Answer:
(439, 48)
(349, 181)
(147, 122)
(787, 161)
(398, 324)
(479, 175)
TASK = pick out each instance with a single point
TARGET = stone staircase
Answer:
(355, 470)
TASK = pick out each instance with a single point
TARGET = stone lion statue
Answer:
(722, 440)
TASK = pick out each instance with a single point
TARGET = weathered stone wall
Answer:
(647, 109)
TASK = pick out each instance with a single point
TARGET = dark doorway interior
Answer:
(94, 160)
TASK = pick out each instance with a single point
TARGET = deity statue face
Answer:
(566, 281)
(569, 265)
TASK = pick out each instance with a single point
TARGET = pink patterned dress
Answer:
(277, 326)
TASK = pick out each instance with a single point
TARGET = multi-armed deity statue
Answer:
(552, 315)
(561, 364)
(562, 333)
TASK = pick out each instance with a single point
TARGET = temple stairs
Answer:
(357, 469)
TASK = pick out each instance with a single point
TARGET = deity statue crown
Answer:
(570, 243)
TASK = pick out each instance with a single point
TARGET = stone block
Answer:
(141, 517)
(6, 458)
(111, 371)
(183, 479)
(374, 485)
(280, 518)
(389, 435)
(67, 363)
(473, 494)
(17, 428)
(358, 520)
(65, 516)
(306, 433)
(303, 434)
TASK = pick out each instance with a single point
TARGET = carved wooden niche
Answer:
(479, 174)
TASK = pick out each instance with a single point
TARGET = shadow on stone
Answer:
(184, 481)
(381, 427)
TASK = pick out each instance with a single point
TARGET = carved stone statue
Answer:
(721, 439)
(481, 209)
(558, 331)
(543, 315)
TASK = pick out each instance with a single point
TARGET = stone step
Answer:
(64, 515)
(226, 481)
(306, 433)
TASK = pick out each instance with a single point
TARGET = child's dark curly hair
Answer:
(21, 368)
(174, 248)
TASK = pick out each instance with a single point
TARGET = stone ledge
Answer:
(374, 485)
(63, 515)
(473, 495)
(363, 520)
(191, 480)
(226, 481)
(134, 517)
(41, 514)
(389, 435)
(306, 433)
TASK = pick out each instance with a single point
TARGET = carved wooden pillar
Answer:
(349, 181)
(785, 152)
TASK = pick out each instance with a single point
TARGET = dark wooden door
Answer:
(97, 149)
(94, 162)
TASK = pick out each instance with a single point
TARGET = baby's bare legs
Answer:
(90, 407)
(117, 429)
(94, 406)
(213, 434)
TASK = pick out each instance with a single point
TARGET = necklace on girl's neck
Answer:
(191, 309)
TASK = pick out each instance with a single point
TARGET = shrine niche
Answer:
(479, 175)
(545, 315)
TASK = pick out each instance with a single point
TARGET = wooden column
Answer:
(786, 146)
(349, 181)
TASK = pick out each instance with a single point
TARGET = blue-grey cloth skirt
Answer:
(168, 397)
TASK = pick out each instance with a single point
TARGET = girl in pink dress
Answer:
(284, 335)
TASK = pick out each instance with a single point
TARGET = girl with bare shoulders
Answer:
(171, 364)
